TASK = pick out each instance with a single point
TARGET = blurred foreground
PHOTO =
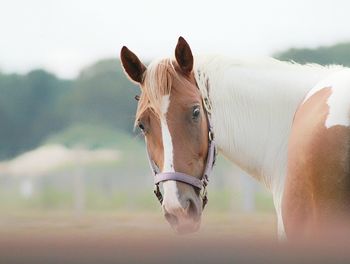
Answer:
(75, 205)
(146, 238)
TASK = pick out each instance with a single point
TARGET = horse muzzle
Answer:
(182, 208)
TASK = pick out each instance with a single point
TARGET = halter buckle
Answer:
(211, 135)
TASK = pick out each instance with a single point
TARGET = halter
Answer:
(199, 184)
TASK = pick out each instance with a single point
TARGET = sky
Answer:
(63, 36)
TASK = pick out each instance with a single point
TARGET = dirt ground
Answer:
(146, 238)
(133, 224)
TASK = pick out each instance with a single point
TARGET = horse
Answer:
(285, 124)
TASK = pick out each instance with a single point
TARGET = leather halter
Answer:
(199, 184)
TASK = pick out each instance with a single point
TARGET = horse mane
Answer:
(157, 82)
(161, 73)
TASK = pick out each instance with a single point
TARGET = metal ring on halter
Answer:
(211, 135)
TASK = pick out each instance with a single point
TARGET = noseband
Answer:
(199, 184)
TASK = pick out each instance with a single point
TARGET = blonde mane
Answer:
(157, 82)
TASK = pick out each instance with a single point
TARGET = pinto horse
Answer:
(285, 124)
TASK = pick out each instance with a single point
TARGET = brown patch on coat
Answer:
(317, 189)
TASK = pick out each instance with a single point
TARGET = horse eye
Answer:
(141, 127)
(196, 112)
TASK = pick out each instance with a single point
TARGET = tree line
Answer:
(35, 105)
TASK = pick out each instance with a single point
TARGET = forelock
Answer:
(157, 82)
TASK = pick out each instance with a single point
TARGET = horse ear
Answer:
(183, 55)
(132, 65)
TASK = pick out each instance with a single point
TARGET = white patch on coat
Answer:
(339, 100)
(253, 106)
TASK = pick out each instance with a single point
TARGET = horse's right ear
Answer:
(132, 65)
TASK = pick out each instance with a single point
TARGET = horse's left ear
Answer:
(183, 55)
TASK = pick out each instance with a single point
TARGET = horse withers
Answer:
(285, 124)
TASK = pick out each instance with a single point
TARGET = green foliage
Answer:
(337, 54)
(102, 95)
(28, 110)
(37, 105)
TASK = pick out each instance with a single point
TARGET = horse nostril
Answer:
(172, 219)
(192, 210)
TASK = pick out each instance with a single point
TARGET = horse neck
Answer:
(253, 105)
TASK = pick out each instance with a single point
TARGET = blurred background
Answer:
(69, 157)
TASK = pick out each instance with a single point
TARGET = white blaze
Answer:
(170, 188)
(168, 165)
